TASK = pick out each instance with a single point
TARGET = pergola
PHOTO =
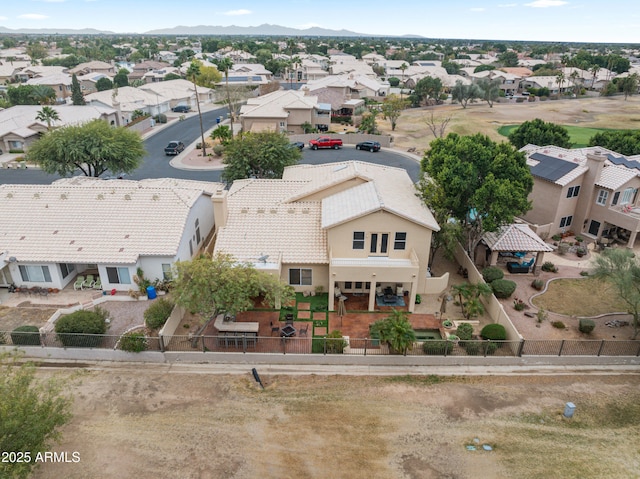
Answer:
(515, 239)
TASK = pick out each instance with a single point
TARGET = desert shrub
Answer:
(537, 284)
(26, 336)
(437, 347)
(558, 324)
(218, 150)
(133, 342)
(157, 314)
(556, 237)
(464, 331)
(79, 329)
(584, 273)
(549, 267)
(519, 305)
(335, 342)
(586, 326)
(491, 273)
(474, 348)
(161, 118)
(494, 331)
(503, 288)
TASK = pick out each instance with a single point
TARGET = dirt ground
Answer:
(606, 112)
(199, 426)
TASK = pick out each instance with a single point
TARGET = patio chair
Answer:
(303, 331)
(88, 283)
(274, 329)
(97, 284)
(78, 284)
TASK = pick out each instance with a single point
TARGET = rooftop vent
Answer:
(127, 197)
(63, 196)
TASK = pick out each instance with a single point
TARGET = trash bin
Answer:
(218, 119)
(151, 292)
(569, 409)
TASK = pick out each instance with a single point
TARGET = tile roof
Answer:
(515, 237)
(613, 177)
(86, 220)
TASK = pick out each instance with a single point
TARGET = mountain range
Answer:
(265, 29)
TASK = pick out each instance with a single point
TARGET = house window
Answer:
(602, 197)
(118, 275)
(566, 221)
(573, 191)
(166, 272)
(66, 268)
(358, 240)
(379, 243)
(35, 274)
(197, 231)
(348, 285)
(358, 284)
(627, 196)
(300, 277)
(616, 196)
(400, 241)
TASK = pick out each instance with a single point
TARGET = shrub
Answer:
(492, 273)
(335, 342)
(556, 237)
(475, 348)
(549, 267)
(320, 307)
(542, 315)
(558, 325)
(537, 284)
(437, 347)
(494, 331)
(218, 150)
(586, 326)
(161, 118)
(157, 314)
(464, 331)
(503, 288)
(133, 342)
(72, 328)
(26, 336)
(418, 299)
(519, 305)
(584, 273)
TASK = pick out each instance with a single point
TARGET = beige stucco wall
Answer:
(319, 276)
(545, 198)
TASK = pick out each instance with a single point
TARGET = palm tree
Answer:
(192, 73)
(574, 78)
(396, 331)
(403, 67)
(48, 115)
(594, 71)
(560, 78)
(225, 65)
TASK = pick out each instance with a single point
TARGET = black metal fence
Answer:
(330, 346)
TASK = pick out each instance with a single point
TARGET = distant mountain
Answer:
(57, 31)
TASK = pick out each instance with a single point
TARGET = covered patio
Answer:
(514, 243)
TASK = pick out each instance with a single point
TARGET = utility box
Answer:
(569, 409)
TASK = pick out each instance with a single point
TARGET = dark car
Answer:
(297, 144)
(174, 147)
(368, 145)
(181, 109)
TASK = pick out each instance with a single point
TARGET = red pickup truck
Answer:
(325, 142)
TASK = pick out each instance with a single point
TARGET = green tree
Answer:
(630, 85)
(626, 142)
(490, 90)
(104, 84)
(541, 133)
(192, 73)
(36, 50)
(31, 95)
(48, 115)
(171, 76)
(508, 59)
(258, 155)
(483, 68)
(561, 79)
(122, 78)
(31, 413)
(222, 133)
(395, 331)
(392, 109)
(368, 123)
(93, 148)
(210, 286)
(77, 98)
(428, 88)
(208, 77)
(464, 94)
(469, 298)
(621, 269)
(475, 181)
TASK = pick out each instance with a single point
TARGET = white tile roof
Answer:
(515, 237)
(613, 177)
(277, 103)
(349, 204)
(85, 220)
(130, 98)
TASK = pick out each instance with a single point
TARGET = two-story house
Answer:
(590, 191)
(353, 226)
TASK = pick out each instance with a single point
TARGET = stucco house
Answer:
(354, 226)
(95, 66)
(179, 92)
(127, 100)
(60, 83)
(284, 110)
(49, 234)
(589, 191)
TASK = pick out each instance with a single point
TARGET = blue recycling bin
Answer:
(151, 292)
(218, 120)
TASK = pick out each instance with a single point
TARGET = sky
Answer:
(615, 21)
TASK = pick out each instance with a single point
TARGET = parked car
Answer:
(368, 145)
(174, 147)
(181, 109)
(325, 142)
(297, 144)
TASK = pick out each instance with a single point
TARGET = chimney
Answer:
(588, 190)
(220, 211)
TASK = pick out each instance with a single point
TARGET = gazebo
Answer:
(515, 240)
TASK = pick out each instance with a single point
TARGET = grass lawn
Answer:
(580, 297)
(579, 135)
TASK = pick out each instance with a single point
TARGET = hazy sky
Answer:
(545, 20)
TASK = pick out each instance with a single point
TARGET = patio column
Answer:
(372, 296)
(412, 296)
(332, 296)
(494, 258)
(632, 239)
(538, 261)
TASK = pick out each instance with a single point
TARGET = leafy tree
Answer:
(77, 98)
(104, 84)
(36, 50)
(541, 133)
(483, 68)
(31, 95)
(428, 88)
(625, 142)
(258, 155)
(464, 94)
(48, 115)
(122, 78)
(192, 73)
(508, 59)
(452, 68)
(93, 148)
(31, 413)
(368, 123)
(396, 331)
(469, 298)
(210, 286)
(208, 77)
(392, 109)
(476, 182)
(171, 76)
(394, 81)
(490, 90)
(222, 133)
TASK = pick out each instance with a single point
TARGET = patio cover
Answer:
(515, 237)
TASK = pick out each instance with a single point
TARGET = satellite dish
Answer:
(263, 258)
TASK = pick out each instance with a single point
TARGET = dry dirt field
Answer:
(194, 425)
(606, 112)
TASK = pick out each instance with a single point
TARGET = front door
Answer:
(379, 244)
(594, 227)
